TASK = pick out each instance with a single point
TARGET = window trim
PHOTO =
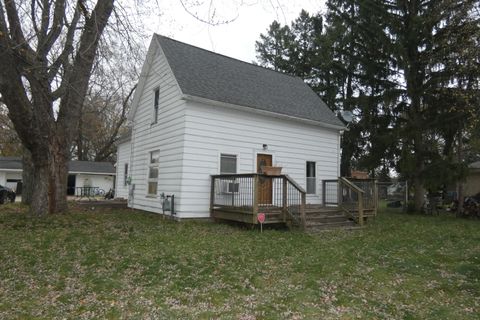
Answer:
(227, 154)
(314, 177)
(156, 104)
(150, 166)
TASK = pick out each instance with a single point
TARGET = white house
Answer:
(80, 174)
(10, 171)
(196, 113)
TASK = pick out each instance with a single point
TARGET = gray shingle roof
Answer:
(212, 76)
(90, 166)
(15, 163)
(11, 163)
(474, 165)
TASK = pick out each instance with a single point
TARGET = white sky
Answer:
(235, 39)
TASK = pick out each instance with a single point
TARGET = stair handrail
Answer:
(303, 193)
(295, 184)
(360, 194)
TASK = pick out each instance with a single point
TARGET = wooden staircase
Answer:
(318, 218)
(321, 218)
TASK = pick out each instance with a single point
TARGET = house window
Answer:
(228, 163)
(153, 172)
(125, 174)
(311, 177)
(156, 102)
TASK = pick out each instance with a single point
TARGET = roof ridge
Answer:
(231, 58)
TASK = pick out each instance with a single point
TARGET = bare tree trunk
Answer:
(460, 195)
(39, 201)
(419, 194)
(27, 177)
(48, 132)
(58, 181)
(418, 188)
(50, 180)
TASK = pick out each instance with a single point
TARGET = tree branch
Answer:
(102, 154)
(55, 31)
(16, 32)
(77, 80)
(67, 50)
(45, 21)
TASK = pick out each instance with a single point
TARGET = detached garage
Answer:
(81, 174)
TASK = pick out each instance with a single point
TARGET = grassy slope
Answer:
(136, 265)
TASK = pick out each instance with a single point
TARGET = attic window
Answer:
(156, 102)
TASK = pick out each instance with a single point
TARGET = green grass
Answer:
(135, 265)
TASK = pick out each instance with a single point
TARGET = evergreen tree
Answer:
(432, 47)
(408, 69)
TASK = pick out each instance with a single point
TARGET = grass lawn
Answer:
(126, 264)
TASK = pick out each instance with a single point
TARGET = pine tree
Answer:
(432, 47)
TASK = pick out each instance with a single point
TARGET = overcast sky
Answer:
(235, 39)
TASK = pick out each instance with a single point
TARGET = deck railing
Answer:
(356, 197)
(330, 192)
(251, 194)
(351, 200)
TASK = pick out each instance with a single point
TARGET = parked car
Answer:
(6, 195)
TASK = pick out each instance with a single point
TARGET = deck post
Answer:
(255, 199)
(360, 208)
(212, 195)
(284, 199)
(324, 192)
(302, 211)
(339, 192)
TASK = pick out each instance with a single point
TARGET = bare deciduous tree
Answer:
(47, 50)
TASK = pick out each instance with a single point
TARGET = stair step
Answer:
(327, 228)
(326, 210)
(324, 215)
(349, 225)
(328, 220)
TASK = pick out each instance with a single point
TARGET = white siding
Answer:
(166, 135)
(10, 175)
(104, 182)
(123, 157)
(212, 130)
(3, 178)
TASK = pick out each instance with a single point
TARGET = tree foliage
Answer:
(408, 70)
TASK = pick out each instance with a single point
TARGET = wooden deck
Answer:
(236, 198)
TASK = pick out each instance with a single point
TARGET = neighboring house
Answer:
(10, 171)
(472, 183)
(80, 174)
(196, 113)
